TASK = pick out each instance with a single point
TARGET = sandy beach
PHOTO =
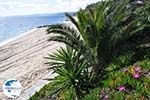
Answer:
(21, 58)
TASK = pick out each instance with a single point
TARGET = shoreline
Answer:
(22, 59)
(5, 42)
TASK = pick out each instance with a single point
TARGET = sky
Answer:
(28, 7)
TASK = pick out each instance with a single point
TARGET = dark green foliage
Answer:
(141, 86)
(93, 95)
(112, 31)
(108, 31)
(73, 72)
(100, 35)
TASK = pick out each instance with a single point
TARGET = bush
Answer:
(101, 44)
(135, 88)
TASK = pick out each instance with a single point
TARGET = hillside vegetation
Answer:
(107, 54)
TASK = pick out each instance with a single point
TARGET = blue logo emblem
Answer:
(12, 88)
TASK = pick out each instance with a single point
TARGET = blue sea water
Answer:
(13, 26)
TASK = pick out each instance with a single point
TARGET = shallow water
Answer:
(15, 25)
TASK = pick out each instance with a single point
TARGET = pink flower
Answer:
(106, 97)
(137, 69)
(122, 88)
(136, 76)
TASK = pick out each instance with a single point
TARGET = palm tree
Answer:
(103, 33)
(72, 70)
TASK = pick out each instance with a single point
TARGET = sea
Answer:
(12, 26)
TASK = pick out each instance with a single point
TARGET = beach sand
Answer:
(21, 58)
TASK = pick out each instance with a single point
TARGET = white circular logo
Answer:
(12, 88)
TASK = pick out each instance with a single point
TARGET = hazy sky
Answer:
(24, 7)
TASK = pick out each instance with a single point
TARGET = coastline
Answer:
(22, 59)
(17, 37)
